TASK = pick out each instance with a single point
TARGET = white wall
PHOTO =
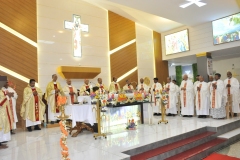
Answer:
(222, 66)
(51, 15)
(145, 52)
(200, 39)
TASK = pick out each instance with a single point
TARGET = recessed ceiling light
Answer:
(60, 31)
(190, 2)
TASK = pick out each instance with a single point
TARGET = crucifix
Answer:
(76, 28)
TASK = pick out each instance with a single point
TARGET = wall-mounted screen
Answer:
(177, 42)
(226, 29)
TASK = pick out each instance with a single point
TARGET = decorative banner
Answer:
(76, 27)
(209, 66)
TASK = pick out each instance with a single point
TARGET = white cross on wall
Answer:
(76, 28)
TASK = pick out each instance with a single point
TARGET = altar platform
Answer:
(125, 144)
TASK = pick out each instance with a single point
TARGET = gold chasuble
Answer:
(51, 96)
(5, 115)
(33, 107)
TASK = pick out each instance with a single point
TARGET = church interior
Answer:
(119, 79)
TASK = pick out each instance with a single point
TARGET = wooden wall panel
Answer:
(20, 85)
(121, 30)
(132, 78)
(123, 60)
(161, 66)
(18, 55)
(20, 15)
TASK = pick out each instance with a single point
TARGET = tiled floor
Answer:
(232, 150)
(44, 144)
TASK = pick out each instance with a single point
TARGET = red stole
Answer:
(8, 112)
(56, 97)
(184, 94)
(129, 87)
(213, 96)
(101, 88)
(36, 105)
(168, 96)
(87, 87)
(116, 87)
(154, 94)
(71, 95)
(199, 97)
(229, 91)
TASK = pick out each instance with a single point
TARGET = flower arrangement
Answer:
(61, 101)
(138, 96)
(63, 142)
(165, 96)
(122, 97)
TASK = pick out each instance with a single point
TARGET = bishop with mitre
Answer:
(53, 90)
(33, 108)
(201, 100)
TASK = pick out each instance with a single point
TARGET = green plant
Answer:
(195, 71)
(178, 75)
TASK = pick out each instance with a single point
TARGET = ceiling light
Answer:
(190, 2)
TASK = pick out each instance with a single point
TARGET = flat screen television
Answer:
(177, 42)
(226, 29)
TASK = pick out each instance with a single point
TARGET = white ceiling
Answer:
(163, 15)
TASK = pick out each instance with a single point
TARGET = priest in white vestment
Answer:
(114, 86)
(218, 98)
(128, 86)
(102, 88)
(232, 88)
(210, 78)
(33, 108)
(187, 97)
(53, 90)
(5, 118)
(86, 88)
(171, 108)
(12, 97)
(71, 92)
(156, 101)
(197, 81)
(201, 100)
(142, 87)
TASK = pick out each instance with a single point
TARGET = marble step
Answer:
(199, 151)
(174, 148)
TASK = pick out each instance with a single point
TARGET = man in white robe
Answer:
(197, 81)
(187, 97)
(210, 80)
(142, 87)
(102, 88)
(71, 92)
(155, 91)
(172, 93)
(201, 100)
(12, 97)
(86, 88)
(128, 86)
(232, 88)
(218, 98)
(114, 86)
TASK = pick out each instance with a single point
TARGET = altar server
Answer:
(232, 88)
(71, 92)
(53, 90)
(171, 108)
(218, 98)
(187, 97)
(155, 91)
(12, 97)
(33, 108)
(201, 100)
